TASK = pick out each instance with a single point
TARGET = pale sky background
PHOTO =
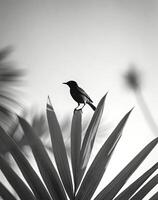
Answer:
(91, 42)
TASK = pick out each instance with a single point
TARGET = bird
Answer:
(79, 95)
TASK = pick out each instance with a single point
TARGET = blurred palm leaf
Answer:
(9, 77)
(44, 163)
(5, 193)
(18, 185)
(38, 123)
(58, 182)
(28, 172)
(132, 78)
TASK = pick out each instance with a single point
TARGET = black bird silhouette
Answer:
(79, 95)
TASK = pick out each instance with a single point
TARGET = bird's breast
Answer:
(77, 96)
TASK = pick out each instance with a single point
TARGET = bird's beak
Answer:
(65, 83)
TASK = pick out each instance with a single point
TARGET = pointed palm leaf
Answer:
(154, 197)
(59, 150)
(9, 76)
(146, 188)
(5, 193)
(76, 129)
(28, 172)
(98, 166)
(89, 138)
(131, 189)
(46, 168)
(110, 191)
(18, 185)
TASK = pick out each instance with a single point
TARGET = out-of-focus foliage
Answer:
(10, 81)
(132, 78)
(58, 183)
(39, 123)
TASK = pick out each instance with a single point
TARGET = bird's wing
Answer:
(84, 94)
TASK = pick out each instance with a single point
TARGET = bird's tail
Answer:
(91, 105)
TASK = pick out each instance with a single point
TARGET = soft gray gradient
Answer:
(91, 42)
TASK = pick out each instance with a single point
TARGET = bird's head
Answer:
(71, 84)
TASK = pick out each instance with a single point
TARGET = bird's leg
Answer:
(83, 106)
(77, 106)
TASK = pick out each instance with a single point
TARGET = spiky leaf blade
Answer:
(99, 164)
(132, 188)
(46, 167)
(154, 197)
(76, 129)
(110, 191)
(59, 150)
(146, 188)
(89, 138)
(5, 193)
(28, 172)
(15, 181)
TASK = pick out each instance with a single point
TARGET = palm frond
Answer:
(99, 164)
(19, 186)
(28, 172)
(76, 130)
(111, 190)
(44, 163)
(5, 193)
(59, 149)
(131, 189)
(89, 138)
(146, 188)
(57, 182)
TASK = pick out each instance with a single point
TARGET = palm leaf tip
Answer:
(46, 167)
(59, 150)
(129, 112)
(89, 138)
(100, 106)
(99, 164)
(93, 126)
(102, 101)
(76, 129)
(49, 105)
